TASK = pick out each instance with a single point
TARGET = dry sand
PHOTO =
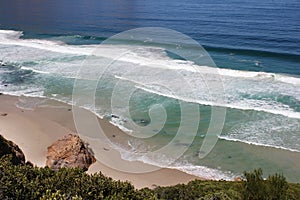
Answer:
(35, 130)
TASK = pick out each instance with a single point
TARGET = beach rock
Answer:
(69, 152)
(8, 147)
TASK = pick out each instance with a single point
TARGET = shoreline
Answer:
(34, 130)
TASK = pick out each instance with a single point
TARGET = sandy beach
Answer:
(34, 130)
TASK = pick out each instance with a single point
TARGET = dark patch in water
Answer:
(115, 116)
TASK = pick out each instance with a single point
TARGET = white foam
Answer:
(256, 143)
(10, 34)
(120, 124)
(145, 56)
(22, 90)
(272, 131)
(34, 70)
(206, 173)
(29, 104)
(9, 37)
(259, 75)
(287, 113)
(163, 161)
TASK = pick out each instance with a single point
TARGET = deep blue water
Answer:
(253, 36)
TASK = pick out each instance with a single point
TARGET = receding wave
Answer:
(141, 86)
(201, 171)
(257, 143)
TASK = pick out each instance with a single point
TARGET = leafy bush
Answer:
(277, 187)
(200, 190)
(28, 182)
(256, 188)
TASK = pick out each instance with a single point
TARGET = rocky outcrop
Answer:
(8, 147)
(69, 152)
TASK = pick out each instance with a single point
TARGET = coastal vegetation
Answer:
(25, 181)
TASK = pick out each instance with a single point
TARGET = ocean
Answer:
(159, 97)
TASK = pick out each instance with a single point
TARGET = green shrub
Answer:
(293, 191)
(28, 182)
(277, 187)
(254, 186)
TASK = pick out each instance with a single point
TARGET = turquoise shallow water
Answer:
(255, 45)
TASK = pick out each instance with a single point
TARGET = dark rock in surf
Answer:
(115, 116)
(142, 121)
